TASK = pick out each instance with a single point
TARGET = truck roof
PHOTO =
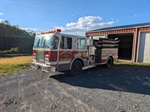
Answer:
(67, 35)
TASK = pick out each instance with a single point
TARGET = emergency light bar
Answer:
(51, 31)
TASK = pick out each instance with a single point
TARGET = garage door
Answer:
(144, 48)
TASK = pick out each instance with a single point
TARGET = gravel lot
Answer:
(118, 89)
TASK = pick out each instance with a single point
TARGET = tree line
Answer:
(12, 36)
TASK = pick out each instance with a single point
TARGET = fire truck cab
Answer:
(55, 51)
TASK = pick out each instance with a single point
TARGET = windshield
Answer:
(46, 41)
(37, 41)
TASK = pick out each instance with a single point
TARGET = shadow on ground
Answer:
(125, 78)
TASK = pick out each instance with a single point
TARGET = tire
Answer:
(109, 62)
(76, 68)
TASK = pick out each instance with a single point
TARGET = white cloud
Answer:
(1, 13)
(1, 20)
(31, 30)
(133, 16)
(84, 24)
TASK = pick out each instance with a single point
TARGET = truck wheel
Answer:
(76, 68)
(109, 62)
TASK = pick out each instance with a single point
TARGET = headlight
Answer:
(34, 58)
(47, 59)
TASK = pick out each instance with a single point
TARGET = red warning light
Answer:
(51, 31)
(58, 30)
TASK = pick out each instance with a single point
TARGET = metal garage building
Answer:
(134, 40)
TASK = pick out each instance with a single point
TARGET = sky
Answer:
(73, 16)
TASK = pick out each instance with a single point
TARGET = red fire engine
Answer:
(55, 51)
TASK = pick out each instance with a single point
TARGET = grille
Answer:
(40, 56)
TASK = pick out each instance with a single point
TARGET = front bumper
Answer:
(43, 67)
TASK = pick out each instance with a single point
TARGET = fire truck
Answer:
(54, 51)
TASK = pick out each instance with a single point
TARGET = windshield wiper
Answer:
(37, 45)
(45, 46)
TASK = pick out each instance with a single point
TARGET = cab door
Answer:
(65, 53)
(54, 51)
(82, 48)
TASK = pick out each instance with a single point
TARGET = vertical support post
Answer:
(134, 52)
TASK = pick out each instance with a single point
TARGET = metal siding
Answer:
(144, 48)
(123, 27)
(117, 31)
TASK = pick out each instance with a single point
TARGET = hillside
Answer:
(12, 37)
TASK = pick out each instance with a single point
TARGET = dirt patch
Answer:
(117, 89)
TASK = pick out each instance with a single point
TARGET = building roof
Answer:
(122, 27)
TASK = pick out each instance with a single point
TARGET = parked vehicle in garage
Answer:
(55, 51)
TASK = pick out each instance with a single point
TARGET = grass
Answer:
(11, 65)
(130, 63)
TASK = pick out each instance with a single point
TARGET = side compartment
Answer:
(102, 50)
